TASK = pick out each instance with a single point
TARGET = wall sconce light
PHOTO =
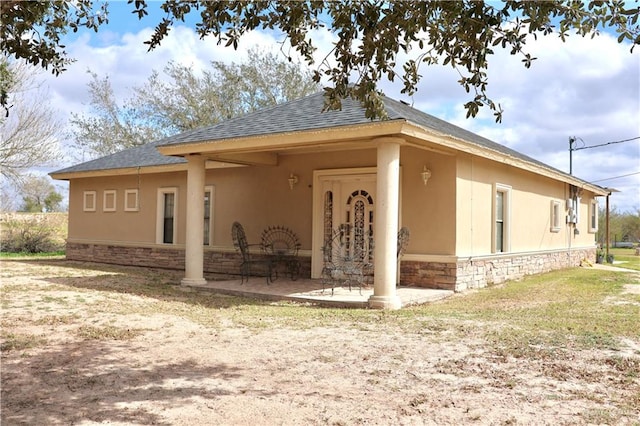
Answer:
(426, 174)
(293, 179)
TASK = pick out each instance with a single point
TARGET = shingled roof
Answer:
(306, 114)
(299, 115)
(140, 156)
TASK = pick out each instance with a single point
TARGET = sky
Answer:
(583, 88)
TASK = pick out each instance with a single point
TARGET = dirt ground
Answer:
(162, 367)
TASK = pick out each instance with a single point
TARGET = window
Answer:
(593, 216)
(501, 218)
(89, 201)
(209, 193)
(131, 200)
(166, 229)
(109, 200)
(328, 217)
(556, 216)
(359, 215)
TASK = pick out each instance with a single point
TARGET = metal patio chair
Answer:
(247, 259)
(403, 242)
(347, 256)
(282, 245)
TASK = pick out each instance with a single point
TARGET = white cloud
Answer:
(588, 88)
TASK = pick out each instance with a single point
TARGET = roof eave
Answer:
(164, 168)
(119, 171)
(416, 131)
(311, 139)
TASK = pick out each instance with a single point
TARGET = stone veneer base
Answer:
(458, 276)
(219, 262)
(488, 270)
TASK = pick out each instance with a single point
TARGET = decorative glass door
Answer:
(348, 206)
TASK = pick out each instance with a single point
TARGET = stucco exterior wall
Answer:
(259, 196)
(529, 222)
(450, 218)
(121, 225)
(429, 211)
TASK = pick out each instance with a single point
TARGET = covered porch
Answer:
(328, 160)
(305, 290)
(386, 193)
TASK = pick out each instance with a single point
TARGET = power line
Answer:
(616, 177)
(607, 143)
(573, 140)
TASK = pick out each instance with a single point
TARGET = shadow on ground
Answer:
(92, 381)
(161, 284)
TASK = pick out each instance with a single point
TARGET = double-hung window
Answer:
(209, 195)
(166, 224)
(501, 218)
(556, 216)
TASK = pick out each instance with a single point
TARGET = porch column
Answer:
(386, 225)
(194, 250)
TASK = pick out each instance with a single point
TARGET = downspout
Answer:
(606, 237)
(471, 257)
(568, 220)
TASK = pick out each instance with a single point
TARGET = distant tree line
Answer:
(622, 226)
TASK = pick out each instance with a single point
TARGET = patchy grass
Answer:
(630, 367)
(108, 332)
(565, 309)
(626, 258)
(577, 327)
(57, 319)
(559, 309)
(20, 341)
(52, 254)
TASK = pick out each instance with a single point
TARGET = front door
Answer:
(347, 198)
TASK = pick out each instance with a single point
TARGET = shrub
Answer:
(28, 236)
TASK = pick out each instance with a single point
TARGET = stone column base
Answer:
(385, 302)
(193, 281)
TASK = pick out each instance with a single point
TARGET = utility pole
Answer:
(572, 140)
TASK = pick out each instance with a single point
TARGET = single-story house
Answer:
(478, 212)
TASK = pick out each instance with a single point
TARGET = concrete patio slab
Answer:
(311, 291)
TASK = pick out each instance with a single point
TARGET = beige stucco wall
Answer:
(450, 216)
(429, 211)
(256, 196)
(259, 196)
(265, 198)
(121, 225)
(530, 205)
